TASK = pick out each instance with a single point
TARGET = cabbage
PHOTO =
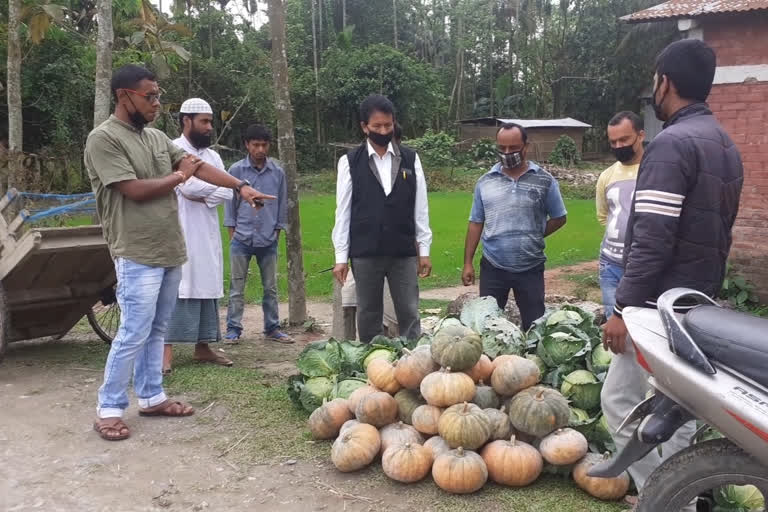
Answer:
(559, 347)
(379, 353)
(578, 416)
(320, 359)
(426, 339)
(501, 336)
(739, 498)
(477, 311)
(539, 362)
(314, 391)
(352, 353)
(344, 388)
(583, 389)
(600, 359)
(565, 317)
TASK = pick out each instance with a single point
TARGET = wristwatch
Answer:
(242, 184)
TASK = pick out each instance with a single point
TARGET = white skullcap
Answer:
(195, 106)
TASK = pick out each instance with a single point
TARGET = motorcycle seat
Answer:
(737, 340)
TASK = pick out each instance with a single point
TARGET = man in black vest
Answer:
(382, 222)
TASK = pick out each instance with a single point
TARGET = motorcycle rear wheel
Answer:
(698, 469)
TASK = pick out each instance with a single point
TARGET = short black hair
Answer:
(397, 133)
(258, 132)
(636, 120)
(375, 103)
(128, 77)
(690, 65)
(512, 126)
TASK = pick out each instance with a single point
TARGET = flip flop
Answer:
(280, 337)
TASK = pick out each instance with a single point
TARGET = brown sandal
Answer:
(217, 359)
(168, 408)
(111, 429)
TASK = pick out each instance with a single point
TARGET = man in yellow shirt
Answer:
(615, 189)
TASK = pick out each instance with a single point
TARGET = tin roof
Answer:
(567, 122)
(692, 8)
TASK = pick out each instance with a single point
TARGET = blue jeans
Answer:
(147, 296)
(239, 259)
(610, 275)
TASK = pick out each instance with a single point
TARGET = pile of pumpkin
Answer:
(446, 408)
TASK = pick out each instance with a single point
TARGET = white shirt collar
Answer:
(372, 151)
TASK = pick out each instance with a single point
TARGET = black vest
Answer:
(382, 225)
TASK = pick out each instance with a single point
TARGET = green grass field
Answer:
(448, 212)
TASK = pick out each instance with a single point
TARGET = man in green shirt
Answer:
(134, 171)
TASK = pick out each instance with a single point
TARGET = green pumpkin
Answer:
(457, 347)
(464, 425)
(485, 397)
(538, 411)
(407, 402)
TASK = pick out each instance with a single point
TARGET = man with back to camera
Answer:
(613, 197)
(134, 171)
(382, 223)
(679, 229)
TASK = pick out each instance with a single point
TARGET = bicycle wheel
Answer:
(104, 316)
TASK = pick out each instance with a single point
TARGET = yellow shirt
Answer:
(615, 190)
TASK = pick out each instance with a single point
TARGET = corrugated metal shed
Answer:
(692, 8)
(567, 122)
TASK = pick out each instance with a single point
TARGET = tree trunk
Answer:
(314, 55)
(15, 119)
(343, 15)
(394, 19)
(101, 102)
(320, 29)
(492, 95)
(286, 143)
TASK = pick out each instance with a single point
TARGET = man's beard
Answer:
(199, 140)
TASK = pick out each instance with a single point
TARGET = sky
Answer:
(234, 7)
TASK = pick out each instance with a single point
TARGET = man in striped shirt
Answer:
(679, 229)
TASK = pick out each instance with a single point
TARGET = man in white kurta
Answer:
(196, 318)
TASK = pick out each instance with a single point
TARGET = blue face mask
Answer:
(510, 160)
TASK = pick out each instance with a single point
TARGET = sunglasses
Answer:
(150, 97)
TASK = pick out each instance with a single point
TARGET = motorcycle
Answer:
(710, 364)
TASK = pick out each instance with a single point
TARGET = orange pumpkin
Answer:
(563, 447)
(459, 471)
(407, 462)
(399, 433)
(500, 359)
(382, 374)
(377, 409)
(512, 462)
(358, 394)
(482, 370)
(326, 421)
(425, 418)
(515, 374)
(444, 388)
(414, 365)
(355, 448)
(437, 446)
(608, 489)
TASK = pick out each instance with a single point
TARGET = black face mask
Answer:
(626, 153)
(379, 139)
(199, 140)
(137, 118)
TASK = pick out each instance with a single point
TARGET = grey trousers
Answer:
(403, 277)
(626, 386)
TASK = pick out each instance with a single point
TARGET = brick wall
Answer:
(743, 111)
(738, 39)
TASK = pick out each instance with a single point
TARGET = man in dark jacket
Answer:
(679, 229)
